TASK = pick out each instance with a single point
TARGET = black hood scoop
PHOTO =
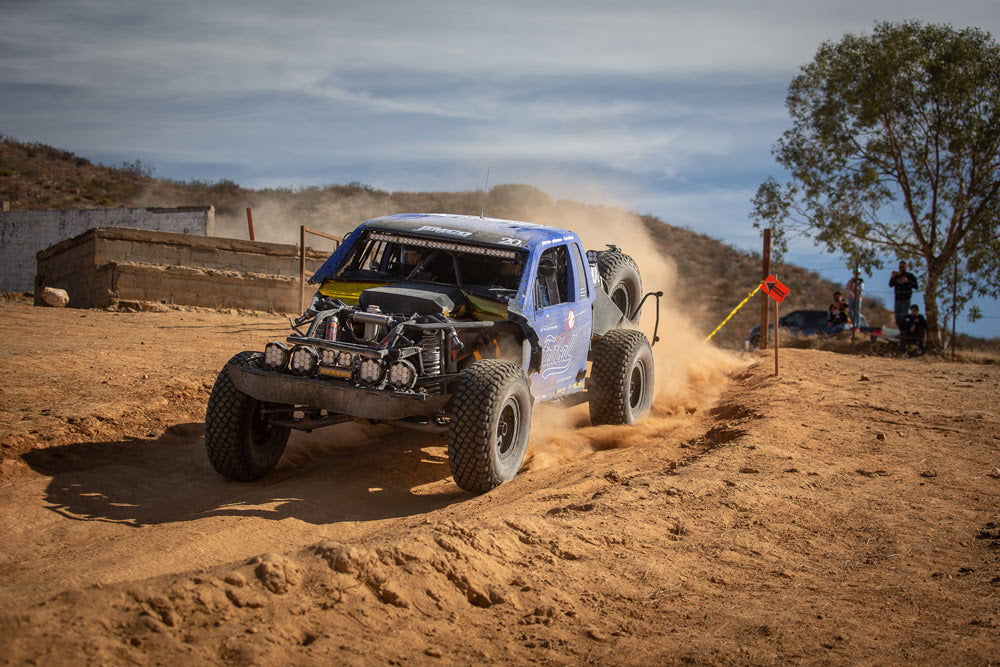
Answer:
(415, 299)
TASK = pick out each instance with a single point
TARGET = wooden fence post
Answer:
(765, 271)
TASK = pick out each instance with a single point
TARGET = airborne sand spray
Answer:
(690, 373)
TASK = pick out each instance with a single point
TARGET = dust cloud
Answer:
(278, 214)
(275, 223)
(690, 373)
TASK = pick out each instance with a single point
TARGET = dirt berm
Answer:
(845, 511)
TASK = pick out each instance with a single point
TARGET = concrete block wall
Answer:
(24, 233)
(102, 267)
(73, 270)
(183, 286)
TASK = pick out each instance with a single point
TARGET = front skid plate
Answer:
(334, 397)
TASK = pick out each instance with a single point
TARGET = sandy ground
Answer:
(845, 511)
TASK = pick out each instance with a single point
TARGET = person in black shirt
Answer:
(903, 282)
(913, 330)
(837, 318)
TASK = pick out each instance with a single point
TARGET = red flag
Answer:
(774, 289)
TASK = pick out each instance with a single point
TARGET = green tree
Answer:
(894, 150)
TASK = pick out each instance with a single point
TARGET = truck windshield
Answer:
(494, 272)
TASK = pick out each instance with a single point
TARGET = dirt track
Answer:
(843, 512)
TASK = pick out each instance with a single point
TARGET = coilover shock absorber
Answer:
(431, 358)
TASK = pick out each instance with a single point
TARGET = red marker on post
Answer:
(774, 288)
(777, 291)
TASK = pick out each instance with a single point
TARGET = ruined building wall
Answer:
(103, 267)
(24, 233)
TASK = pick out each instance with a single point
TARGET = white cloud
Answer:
(672, 104)
(231, 47)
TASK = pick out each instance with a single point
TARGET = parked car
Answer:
(806, 322)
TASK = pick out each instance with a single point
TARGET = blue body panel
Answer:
(564, 332)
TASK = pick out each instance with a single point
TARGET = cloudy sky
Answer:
(664, 107)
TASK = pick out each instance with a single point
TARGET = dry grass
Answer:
(968, 350)
(982, 354)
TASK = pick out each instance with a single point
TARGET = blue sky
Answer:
(663, 107)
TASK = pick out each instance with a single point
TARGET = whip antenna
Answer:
(482, 212)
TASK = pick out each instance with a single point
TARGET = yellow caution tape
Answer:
(730, 316)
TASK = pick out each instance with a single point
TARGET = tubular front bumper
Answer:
(334, 397)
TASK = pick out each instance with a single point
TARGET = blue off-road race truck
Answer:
(450, 324)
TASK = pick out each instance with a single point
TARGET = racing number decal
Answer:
(511, 242)
(570, 319)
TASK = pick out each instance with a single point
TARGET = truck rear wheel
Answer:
(621, 379)
(621, 279)
(489, 428)
(241, 442)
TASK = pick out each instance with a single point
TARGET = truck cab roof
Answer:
(508, 235)
(469, 228)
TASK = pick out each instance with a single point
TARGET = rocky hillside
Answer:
(710, 279)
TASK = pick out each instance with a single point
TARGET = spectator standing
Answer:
(913, 330)
(903, 282)
(855, 286)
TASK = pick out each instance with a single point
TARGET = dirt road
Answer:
(846, 511)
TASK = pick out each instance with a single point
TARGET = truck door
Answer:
(562, 319)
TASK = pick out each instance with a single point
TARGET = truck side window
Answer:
(580, 277)
(366, 260)
(551, 284)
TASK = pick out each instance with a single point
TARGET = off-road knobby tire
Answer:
(621, 378)
(620, 275)
(491, 418)
(241, 442)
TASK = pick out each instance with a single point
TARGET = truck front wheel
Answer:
(241, 442)
(621, 380)
(491, 418)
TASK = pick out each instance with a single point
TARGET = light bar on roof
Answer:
(443, 245)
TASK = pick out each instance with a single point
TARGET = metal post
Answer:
(775, 337)
(302, 268)
(302, 259)
(765, 271)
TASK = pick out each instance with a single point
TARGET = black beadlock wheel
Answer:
(240, 440)
(621, 379)
(621, 279)
(491, 418)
